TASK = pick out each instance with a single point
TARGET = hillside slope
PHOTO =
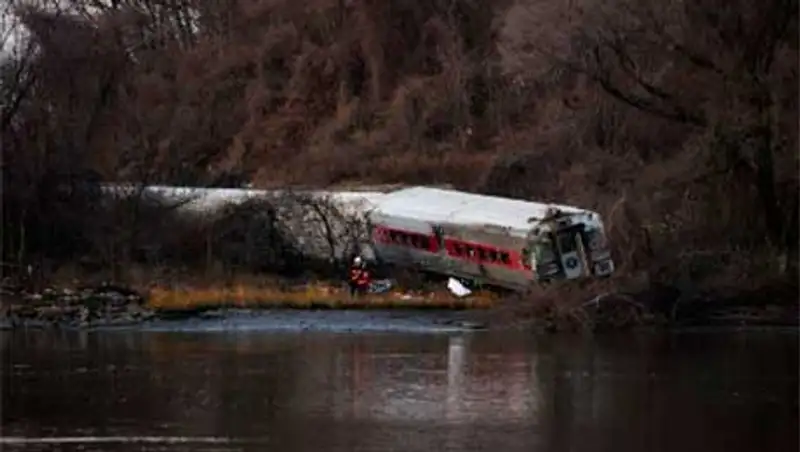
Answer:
(678, 121)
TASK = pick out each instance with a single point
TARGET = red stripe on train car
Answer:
(399, 237)
(486, 254)
(458, 249)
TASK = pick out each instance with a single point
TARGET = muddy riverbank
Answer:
(106, 305)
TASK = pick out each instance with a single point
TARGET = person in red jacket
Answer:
(359, 277)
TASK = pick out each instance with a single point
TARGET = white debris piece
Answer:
(456, 288)
(380, 286)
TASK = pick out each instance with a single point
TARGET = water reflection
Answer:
(445, 383)
(396, 392)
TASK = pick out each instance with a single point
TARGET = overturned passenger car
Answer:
(491, 240)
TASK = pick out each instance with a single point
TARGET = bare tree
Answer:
(728, 73)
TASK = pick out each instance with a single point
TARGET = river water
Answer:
(310, 391)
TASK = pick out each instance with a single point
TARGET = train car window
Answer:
(566, 242)
(482, 255)
(505, 258)
(460, 250)
(438, 234)
(493, 256)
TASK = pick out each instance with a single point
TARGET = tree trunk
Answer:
(791, 236)
(765, 166)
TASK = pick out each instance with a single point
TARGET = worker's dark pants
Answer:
(357, 289)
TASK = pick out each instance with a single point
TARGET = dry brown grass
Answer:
(318, 296)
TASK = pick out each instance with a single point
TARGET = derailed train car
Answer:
(491, 240)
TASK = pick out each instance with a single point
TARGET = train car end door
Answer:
(570, 252)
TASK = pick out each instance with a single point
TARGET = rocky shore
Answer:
(105, 305)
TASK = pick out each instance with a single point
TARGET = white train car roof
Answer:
(456, 207)
(212, 200)
(357, 203)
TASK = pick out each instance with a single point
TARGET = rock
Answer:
(83, 314)
(470, 325)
